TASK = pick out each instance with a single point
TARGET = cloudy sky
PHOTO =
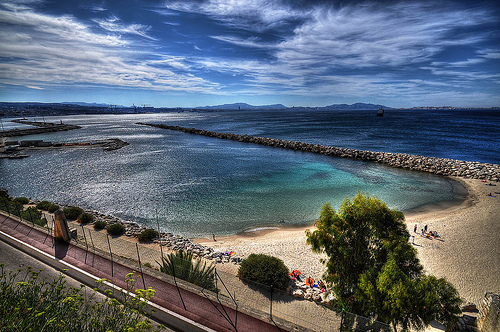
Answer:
(207, 52)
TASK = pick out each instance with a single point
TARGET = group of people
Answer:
(295, 276)
(424, 232)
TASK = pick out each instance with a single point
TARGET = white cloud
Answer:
(257, 15)
(40, 50)
(113, 24)
(369, 36)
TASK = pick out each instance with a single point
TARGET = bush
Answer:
(72, 212)
(85, 218)
(29, 302)
(116, 229)
(22, 200)
(41, 222)
(147, 235)
(53, 208)
(264, 269)
(100, 224)
(43, 205)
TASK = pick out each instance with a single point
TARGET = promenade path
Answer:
(209, 313)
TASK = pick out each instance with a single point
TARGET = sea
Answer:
(196, 186)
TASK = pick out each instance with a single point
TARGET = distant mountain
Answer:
(244, 106)
(90, 104)
(356, 106)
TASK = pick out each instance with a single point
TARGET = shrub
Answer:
(43, 205)
(31, 214)
(29, 302)
(72, 212)
(41, 222)
(85, 218)
(53, 208)
(22, 200)
(147, 235)
(116, 229)
(180, 264)
(100, 224)
(264, 269)
(4, 193)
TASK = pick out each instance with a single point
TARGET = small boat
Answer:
(380, 112)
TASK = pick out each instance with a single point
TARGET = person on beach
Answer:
(425, 228)
(421, 232)
(415, 228)
(213, 237)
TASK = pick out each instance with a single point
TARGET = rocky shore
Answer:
(171, 241)
(439, 166)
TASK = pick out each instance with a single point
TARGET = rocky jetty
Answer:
(114, 144)
(41, 127)
(439, 166)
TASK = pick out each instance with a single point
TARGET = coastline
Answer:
(467, 255)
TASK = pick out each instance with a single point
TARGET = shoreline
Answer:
(461, 197)
(467, 255)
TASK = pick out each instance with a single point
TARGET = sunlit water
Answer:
(200, 185)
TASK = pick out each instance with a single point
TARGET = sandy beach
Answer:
(467, 254)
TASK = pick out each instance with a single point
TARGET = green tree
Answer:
(374, 270)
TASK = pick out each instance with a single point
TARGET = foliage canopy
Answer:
(374, 270)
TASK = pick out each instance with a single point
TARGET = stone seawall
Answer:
(440, 166)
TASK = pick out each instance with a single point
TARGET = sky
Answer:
(188, 53)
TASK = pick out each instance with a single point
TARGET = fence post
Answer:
(86, 244)
(271, 304)
(93, 247)
(140, 265)
(159, 234)
(110, 255)
(342, 320)
(175, 281)
(31, 217)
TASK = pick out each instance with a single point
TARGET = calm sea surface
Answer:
(201, 185)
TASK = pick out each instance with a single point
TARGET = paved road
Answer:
(198, 308)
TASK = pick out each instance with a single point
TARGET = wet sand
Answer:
(467, 254)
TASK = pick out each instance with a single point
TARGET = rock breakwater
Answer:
(40, 128)
(439, 166)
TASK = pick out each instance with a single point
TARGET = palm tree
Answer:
(182, 265)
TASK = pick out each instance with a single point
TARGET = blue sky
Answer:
(205, 52)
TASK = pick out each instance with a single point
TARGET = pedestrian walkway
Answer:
(197, 307)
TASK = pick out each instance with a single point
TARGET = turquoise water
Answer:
(201, 185)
